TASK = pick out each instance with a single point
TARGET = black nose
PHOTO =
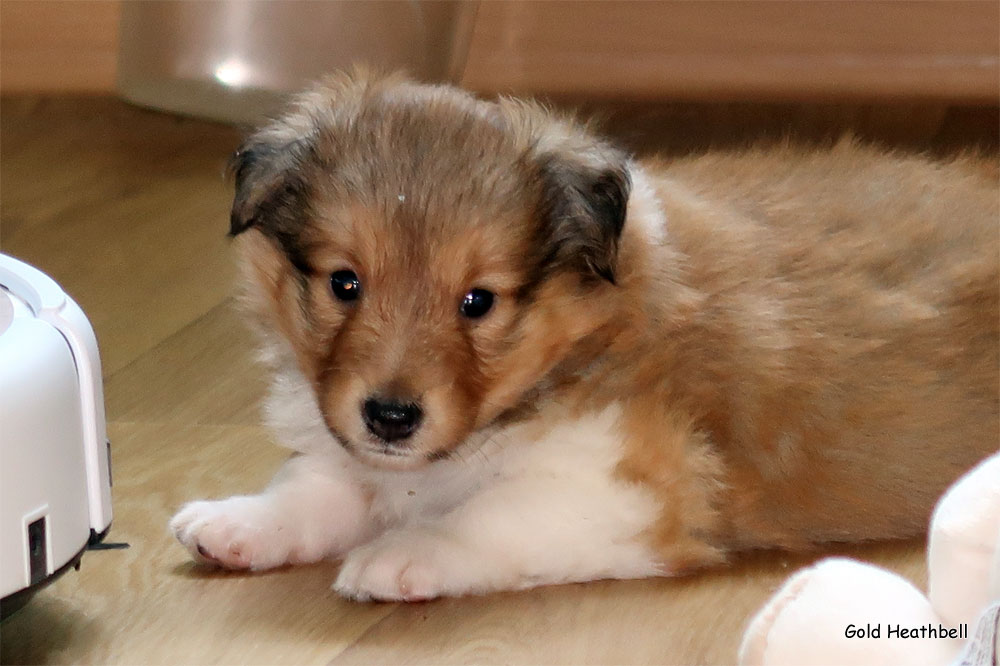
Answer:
(389, 420)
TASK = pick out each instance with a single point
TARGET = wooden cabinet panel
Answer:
(790, 48)
(59, 45)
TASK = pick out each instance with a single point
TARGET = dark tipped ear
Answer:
(585, 206)
(269, 186)
(243, 166)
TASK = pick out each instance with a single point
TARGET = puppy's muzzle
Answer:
(389, 420)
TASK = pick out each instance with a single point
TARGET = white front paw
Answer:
(236, 533)
(406, 565)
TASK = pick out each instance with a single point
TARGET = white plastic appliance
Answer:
(55, 474)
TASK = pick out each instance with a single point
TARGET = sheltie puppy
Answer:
(508, 354)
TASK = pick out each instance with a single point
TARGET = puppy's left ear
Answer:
(268, 185)
(585, 203)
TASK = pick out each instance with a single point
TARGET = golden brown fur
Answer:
(810, 354)
(843, 355)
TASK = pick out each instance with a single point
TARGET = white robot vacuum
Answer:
(55, 474)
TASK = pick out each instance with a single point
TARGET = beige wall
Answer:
(58, 45)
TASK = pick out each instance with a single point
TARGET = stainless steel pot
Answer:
(233, 60)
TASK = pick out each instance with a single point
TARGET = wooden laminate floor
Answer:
(127, 209)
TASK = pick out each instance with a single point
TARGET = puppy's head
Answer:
(430, 258)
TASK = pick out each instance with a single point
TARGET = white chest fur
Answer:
(581, 452)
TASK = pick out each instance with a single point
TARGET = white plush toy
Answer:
(842, 611)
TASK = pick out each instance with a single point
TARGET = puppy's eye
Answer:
(477, 303)
(345, 285)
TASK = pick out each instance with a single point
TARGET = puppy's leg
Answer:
(309, 511)
(571, 504)
(517, 534)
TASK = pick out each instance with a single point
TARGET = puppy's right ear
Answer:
(269, 187)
